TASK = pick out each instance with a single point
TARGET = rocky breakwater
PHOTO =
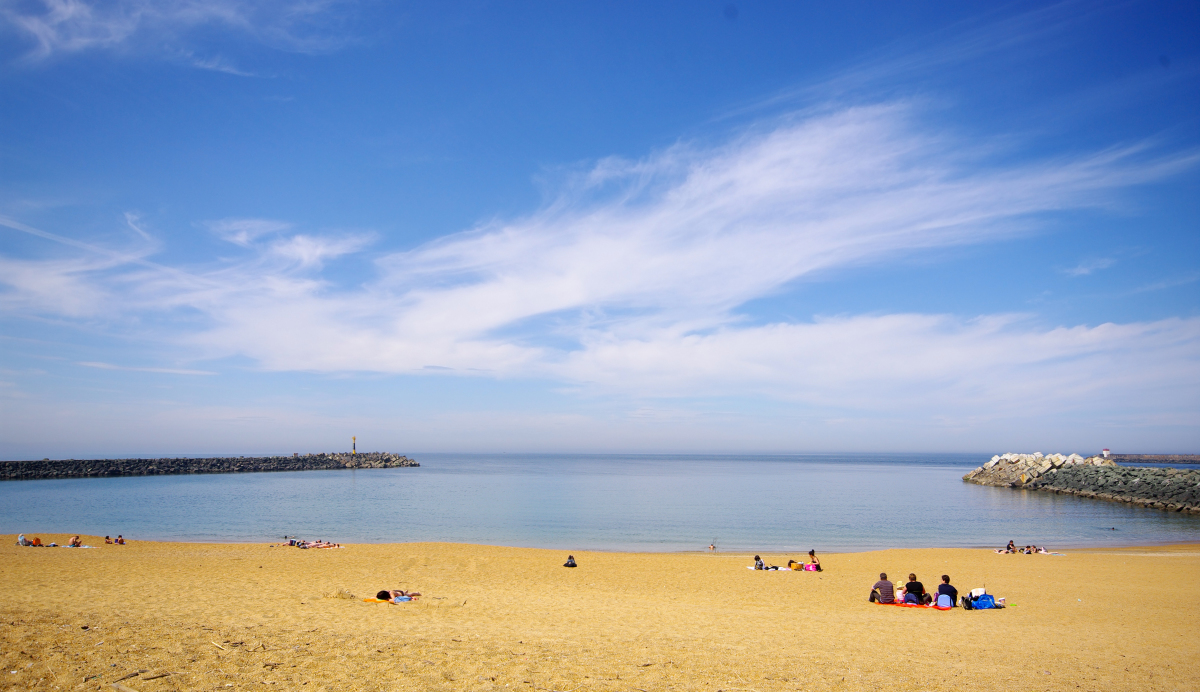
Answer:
(1173, 490)
(83, 468)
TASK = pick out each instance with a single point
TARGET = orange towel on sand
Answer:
(913, 605)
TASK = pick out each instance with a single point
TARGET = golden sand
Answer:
(219, 617)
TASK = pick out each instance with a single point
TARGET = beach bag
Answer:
(810, 567)
(944, 601)
(984, 602)
(976, 593)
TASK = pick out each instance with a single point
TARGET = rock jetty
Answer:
(1173, 490)
(84, 468)
(1155, 458)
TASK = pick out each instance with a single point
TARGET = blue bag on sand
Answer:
(984, 602)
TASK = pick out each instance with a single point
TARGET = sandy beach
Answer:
(215, 617)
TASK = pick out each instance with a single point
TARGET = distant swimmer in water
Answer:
(712, 547)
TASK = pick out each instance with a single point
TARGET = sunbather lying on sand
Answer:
(398, 595)
(317, 544)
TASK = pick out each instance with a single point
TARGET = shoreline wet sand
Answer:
(197, 616)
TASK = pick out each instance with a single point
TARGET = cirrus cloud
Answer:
(633, 281)
(63, 27)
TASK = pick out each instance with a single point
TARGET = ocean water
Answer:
(597, 502)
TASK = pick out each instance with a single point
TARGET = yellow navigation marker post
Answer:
(354, 445)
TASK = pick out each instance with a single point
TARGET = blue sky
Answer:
(234, 227)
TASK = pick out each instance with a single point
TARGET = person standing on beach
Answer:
(883, 591)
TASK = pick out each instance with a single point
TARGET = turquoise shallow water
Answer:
(585, 502)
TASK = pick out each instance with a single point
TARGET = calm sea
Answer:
(585, 502)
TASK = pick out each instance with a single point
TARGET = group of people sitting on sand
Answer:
(73, 542)
(813, 564)
(119, 540)
(913, 592)
(1027, 550)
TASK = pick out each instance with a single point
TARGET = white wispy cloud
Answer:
(161, 371)
(59, 27)
(1086, 267)
(884, 363)
(244, 232)
(312, 251)
(632, 281)
(1169, 283)
(218, 63)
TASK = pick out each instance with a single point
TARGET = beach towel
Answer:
(913, 605)
(405, 599)
(810, 567)
(772, 569)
